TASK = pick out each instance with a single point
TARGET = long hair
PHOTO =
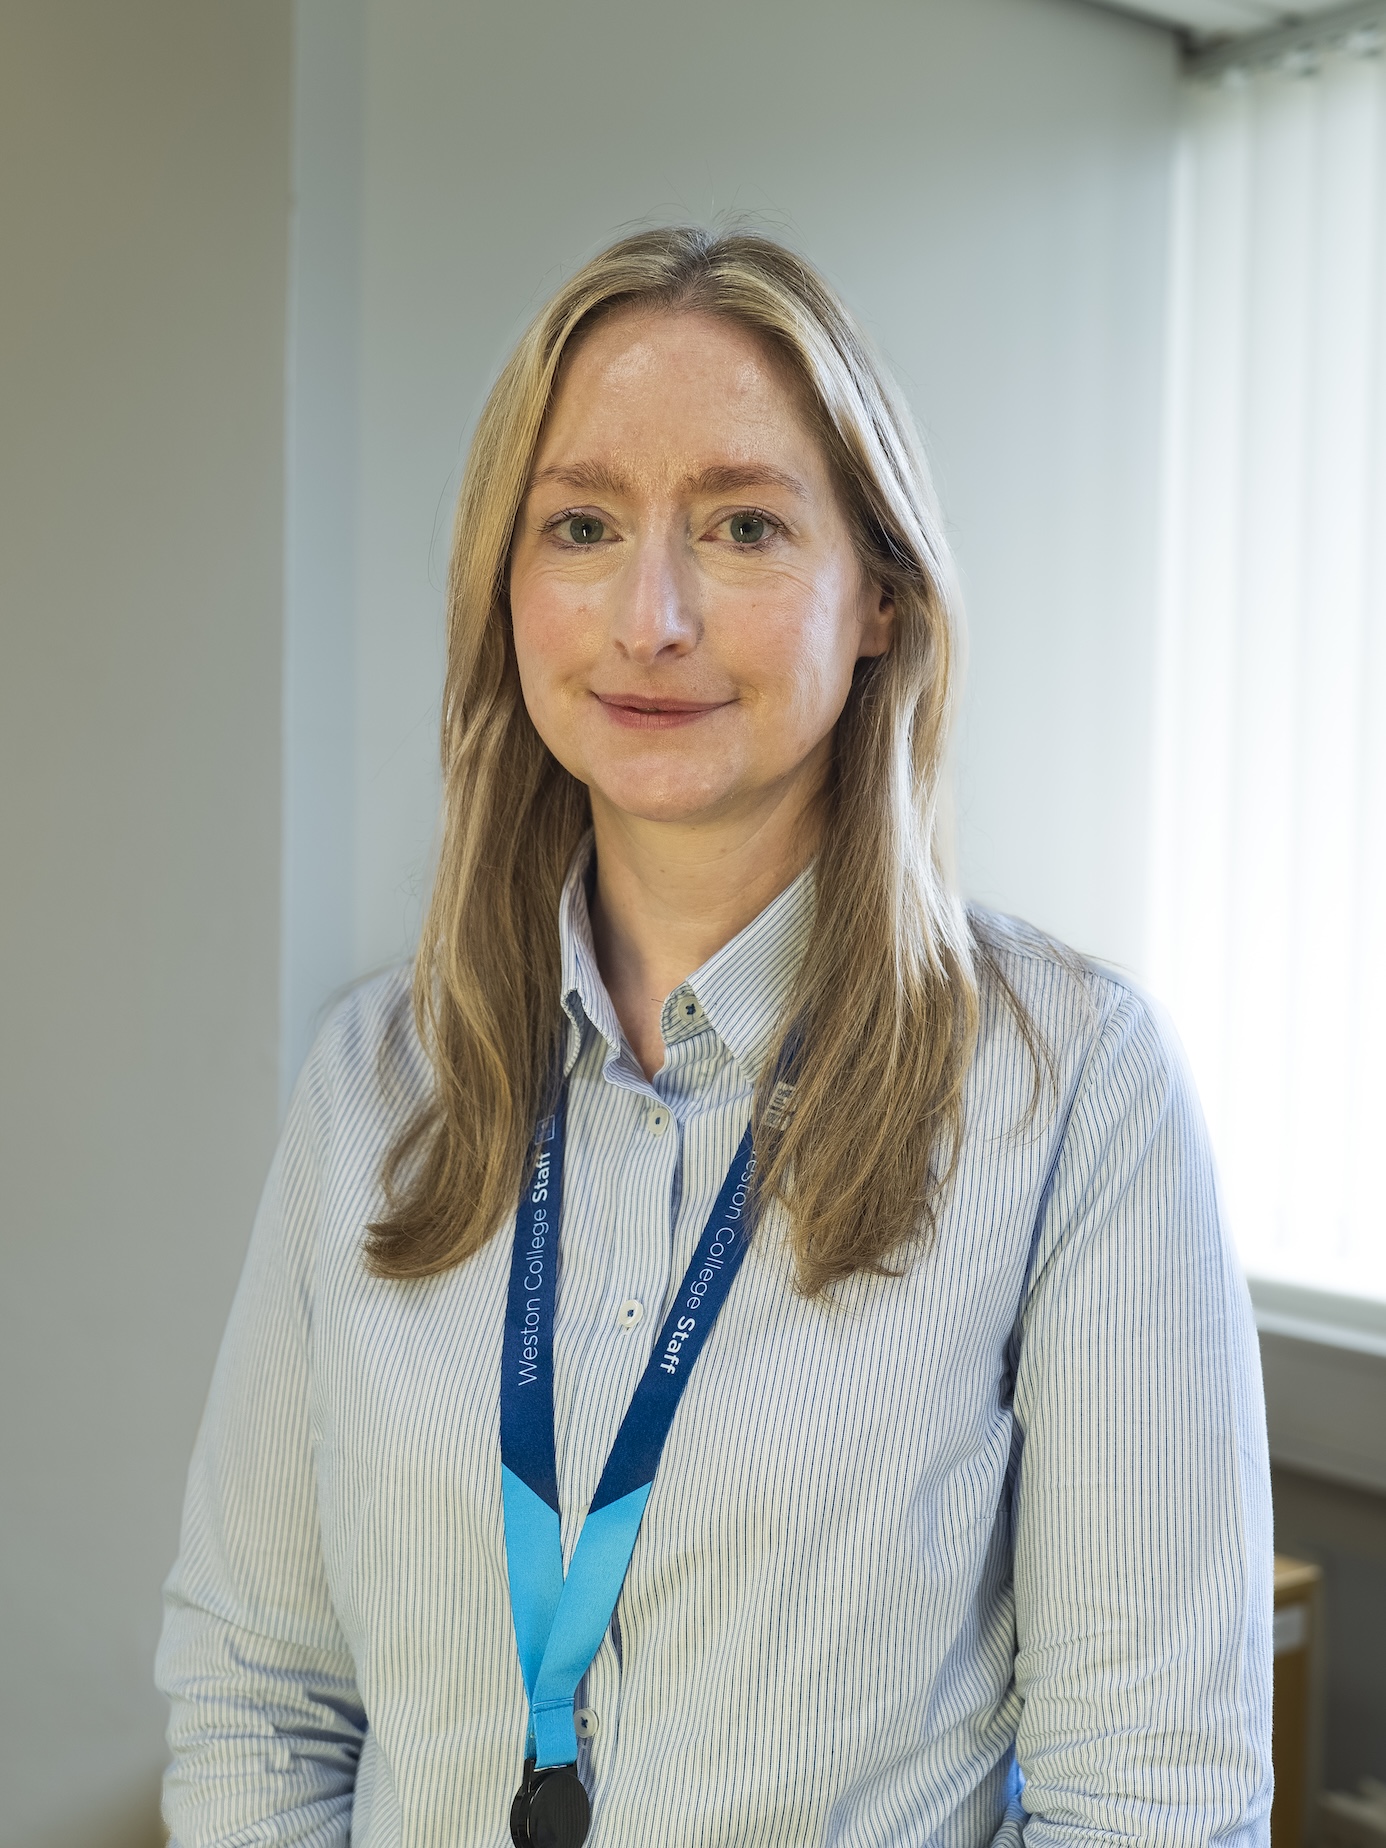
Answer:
(885, 1009)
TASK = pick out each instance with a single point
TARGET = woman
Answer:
(884, 1240)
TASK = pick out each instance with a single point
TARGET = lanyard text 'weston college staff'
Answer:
(560, 1622)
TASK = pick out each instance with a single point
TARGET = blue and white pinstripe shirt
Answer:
(1007, 1510)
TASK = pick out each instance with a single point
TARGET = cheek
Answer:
(538, 654)
(806, 655)
(549, 640)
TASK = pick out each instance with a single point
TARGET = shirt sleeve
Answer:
(1143, 1541)
(266, 1725)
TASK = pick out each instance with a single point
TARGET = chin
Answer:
(652, 799)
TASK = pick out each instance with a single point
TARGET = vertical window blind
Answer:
(1268, 910)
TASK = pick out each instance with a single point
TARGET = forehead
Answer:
(667, 391)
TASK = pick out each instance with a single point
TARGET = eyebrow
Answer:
(725, 478)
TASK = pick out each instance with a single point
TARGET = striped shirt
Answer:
(975, 1552)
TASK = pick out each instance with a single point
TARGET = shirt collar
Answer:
(583, 991)
(742, 989)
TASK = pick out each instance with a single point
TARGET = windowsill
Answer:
(1324, 1361)
(1356, 1322)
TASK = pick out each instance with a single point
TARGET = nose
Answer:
(655, 615)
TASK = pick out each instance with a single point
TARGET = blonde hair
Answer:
(885, 1006)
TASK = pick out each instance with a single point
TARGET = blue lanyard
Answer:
(560, 1622)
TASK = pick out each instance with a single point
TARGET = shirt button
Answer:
(585, 1722)
(630, 1312)
(658, 1120)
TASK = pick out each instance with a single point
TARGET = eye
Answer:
(583, 529)
(747, 528)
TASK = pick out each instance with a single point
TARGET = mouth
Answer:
(639, 712)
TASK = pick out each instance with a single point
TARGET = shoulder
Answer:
(1126, 1171)
(366, 1079)
(1093, 1026)
(367, 1074)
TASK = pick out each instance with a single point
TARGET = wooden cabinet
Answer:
(1296, 1624)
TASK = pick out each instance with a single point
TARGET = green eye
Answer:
(747, 528)
(584, 530)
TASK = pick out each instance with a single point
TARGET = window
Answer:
(1269, 886)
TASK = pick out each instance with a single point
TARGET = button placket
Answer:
(643, 1278)
(647, 1288)
(598, 1713)
(616, 1243)
(682, 1014)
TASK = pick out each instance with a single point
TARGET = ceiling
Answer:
(1216, 18)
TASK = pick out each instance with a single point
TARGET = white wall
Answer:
(985, 179)
(143, 221)
(318, 911)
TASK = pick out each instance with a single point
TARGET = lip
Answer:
(645, 712)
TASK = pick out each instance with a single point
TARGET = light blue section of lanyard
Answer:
(560, 1622)
(534, 1565)
(580, 1618)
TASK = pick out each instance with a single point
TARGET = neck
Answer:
(667, 898)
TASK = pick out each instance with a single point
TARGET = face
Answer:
(687, 603)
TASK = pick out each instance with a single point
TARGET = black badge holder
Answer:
(551, 1809)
